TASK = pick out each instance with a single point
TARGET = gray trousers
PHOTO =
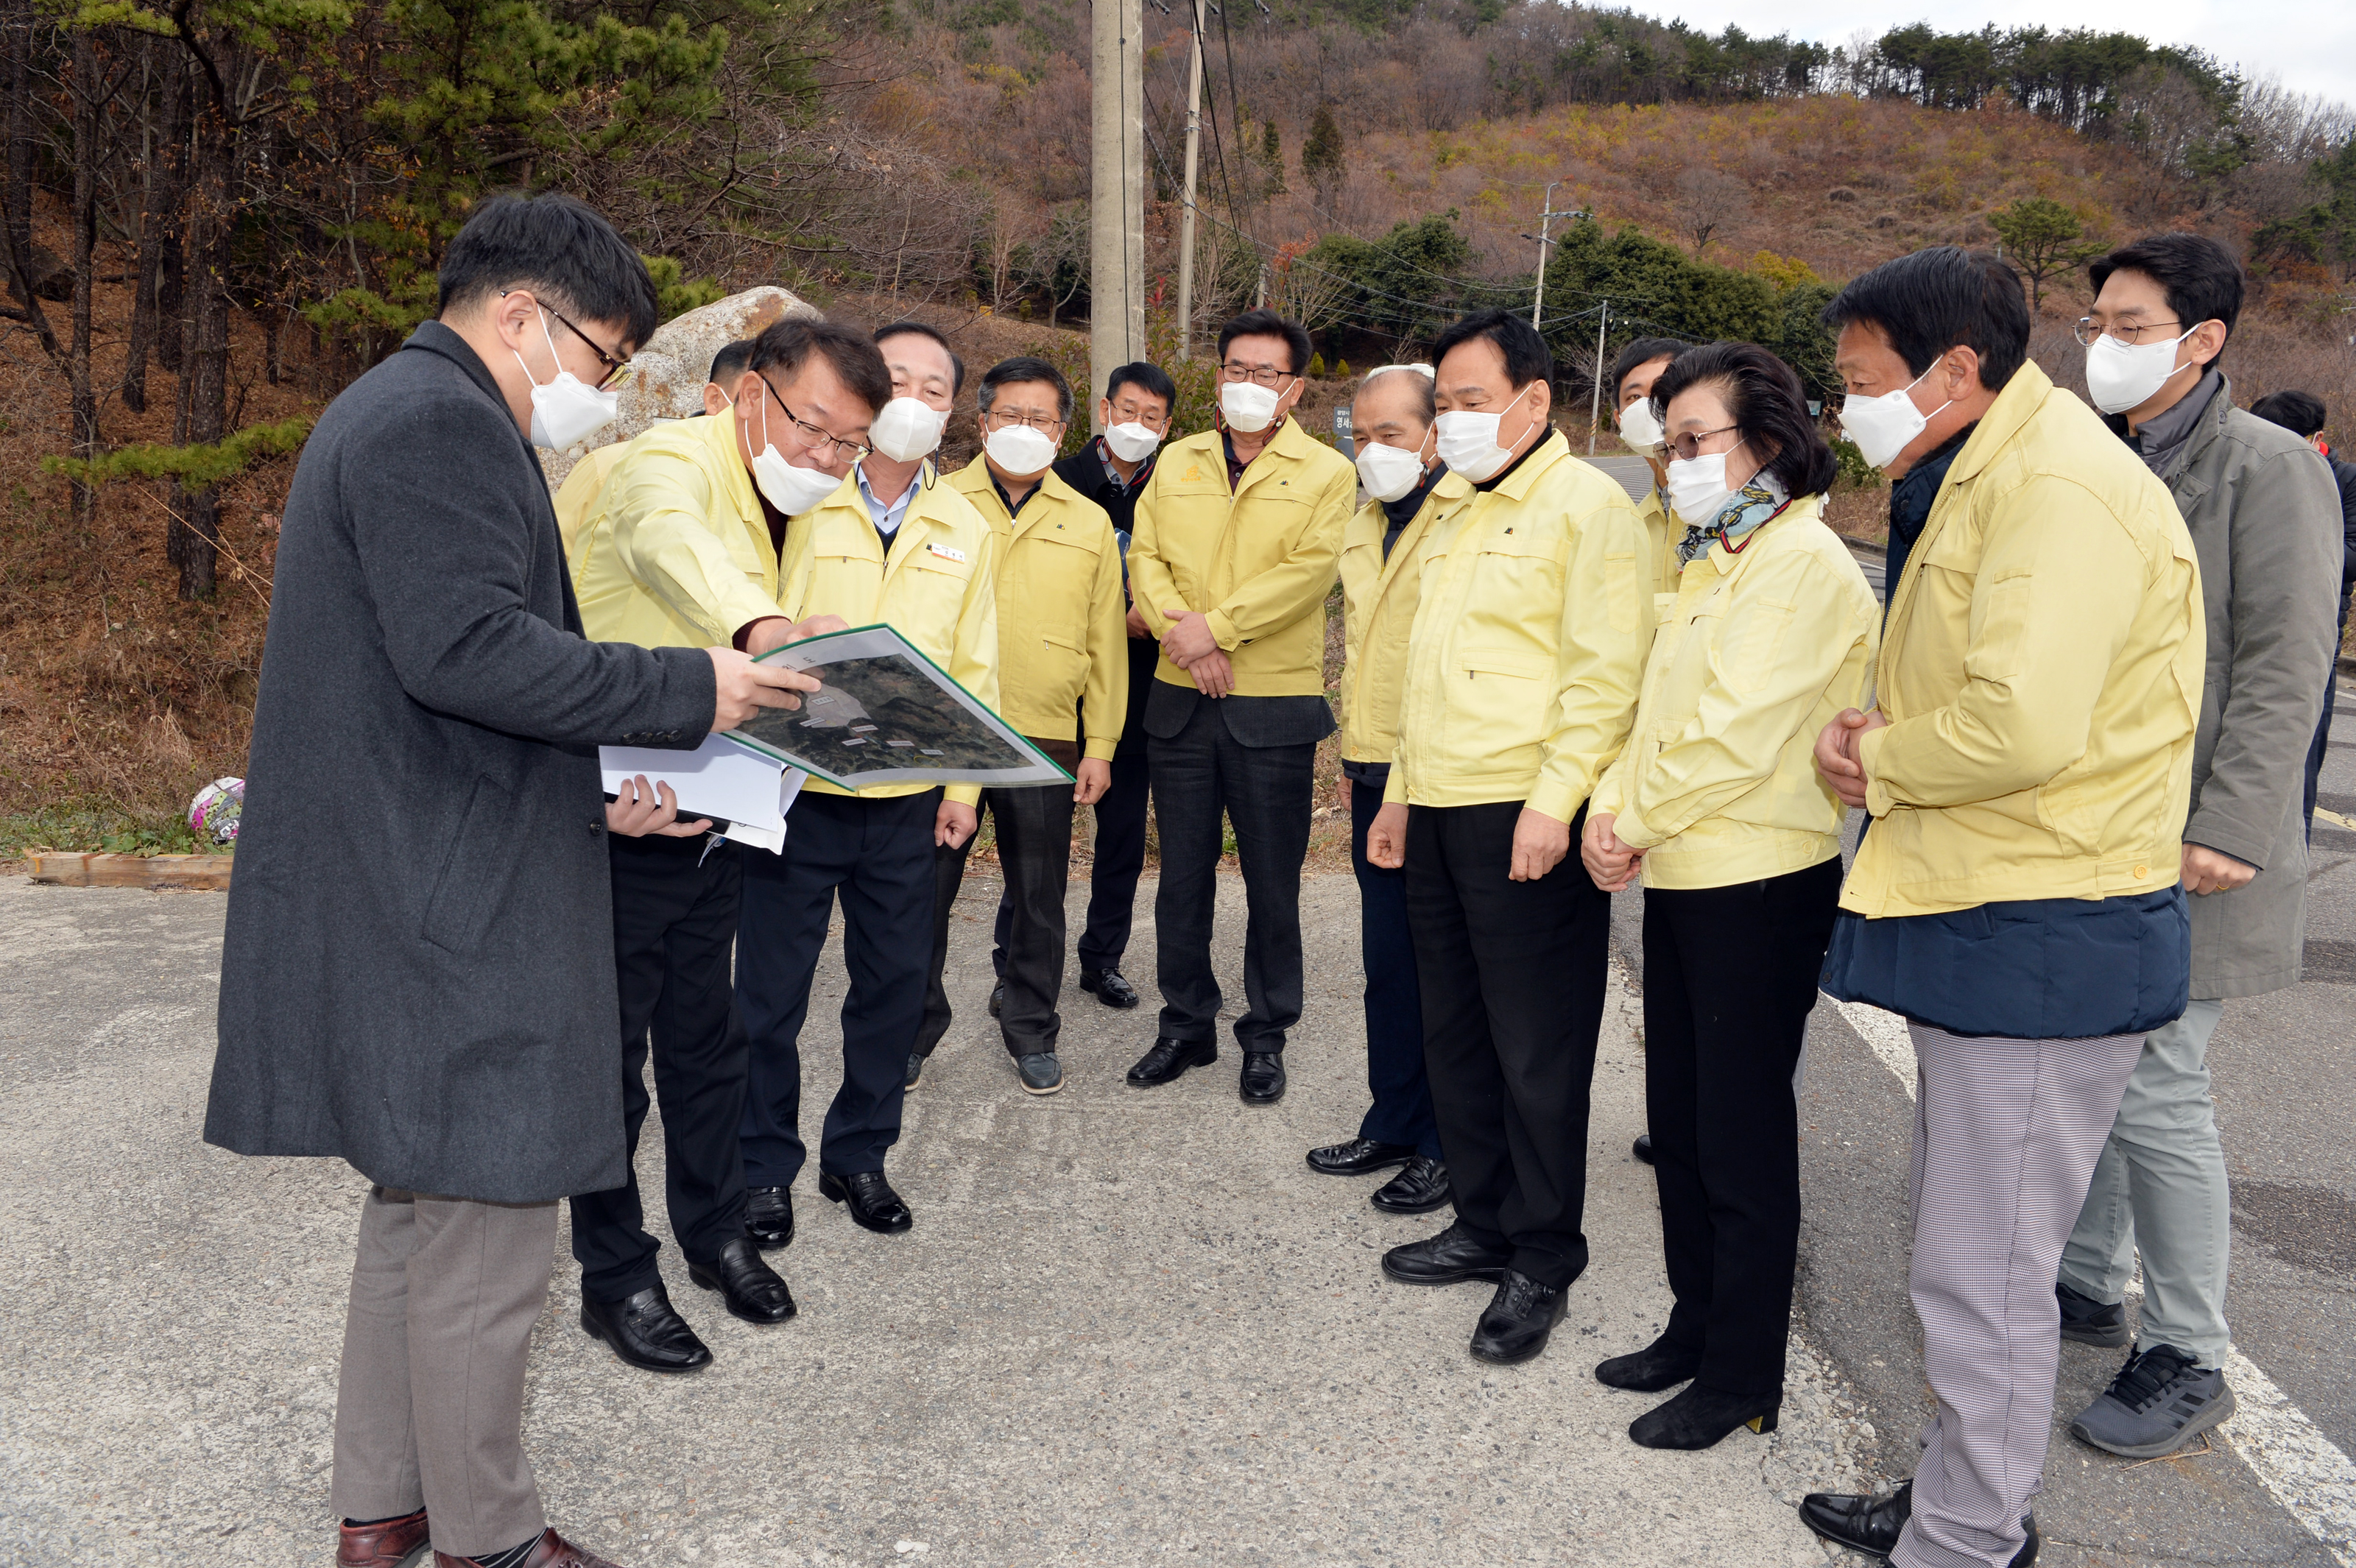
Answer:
(2007, 1133)
(429, 1411)
(2160, 1189)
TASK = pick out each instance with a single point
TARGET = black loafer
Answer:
(998, 999)
(1359, 1156)
(1263, 1079)
(751, 1288)
(1702, 1418)
(1871, 1524)
(1169, 1059)
(915, 1070)
(1518, 1320)
(1109, 986)
(769, 1217)
(1419, 1190)
(1642, 1148)
(869, 1199)
(1451, 1257)
(1659, 1365)
(646, 1332)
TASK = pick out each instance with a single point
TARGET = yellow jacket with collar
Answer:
(1378, 597)
(1662, 533)
(672, 549)
(2040, 669)
(1529, 641)
(1063, 632)
(1257, 563)
(1760, 651)
(936, 588)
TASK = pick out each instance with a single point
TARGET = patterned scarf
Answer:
(1744, 510)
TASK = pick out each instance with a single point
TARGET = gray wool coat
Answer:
(2265, 520)
(418, 972)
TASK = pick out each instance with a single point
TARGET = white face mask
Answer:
(1468, 441)
(1883, 426)
(1389, 471)
(906, 429)
(1020, 451)
(1697, 487)
(2120, 375)
(791, 490)
(1248, 406)
(1639, 427)
(1132, 442)
(567, 410)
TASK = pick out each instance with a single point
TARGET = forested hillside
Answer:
(216, 214)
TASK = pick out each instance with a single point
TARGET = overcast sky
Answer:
(2309, 44)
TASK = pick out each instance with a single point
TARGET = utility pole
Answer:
(1115, 190)
(1595, 401)
(1186, 217)
(1547, 214)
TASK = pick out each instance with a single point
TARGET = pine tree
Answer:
(1320, 155)
(1271, 154)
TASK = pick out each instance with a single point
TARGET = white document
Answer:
(719, 780)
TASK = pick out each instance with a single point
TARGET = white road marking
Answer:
(2308, 1475)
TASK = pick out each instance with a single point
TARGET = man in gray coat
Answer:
(2266, 523)
(418, 976)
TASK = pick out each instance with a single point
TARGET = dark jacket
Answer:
(1084, 471)
(418, 972)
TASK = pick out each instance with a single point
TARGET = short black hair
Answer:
(1418, 374)
(903, 328)
(731, 361)
(1147, 378)
(789, 345)
(1025, 368)
(1526, 356)
(1941, 298)
(2301, 413)
(1767, 402)
(561, 251)
(2199, 277)
(1638, 354)
(1268, 324)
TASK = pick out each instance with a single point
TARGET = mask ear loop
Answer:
(525, 367)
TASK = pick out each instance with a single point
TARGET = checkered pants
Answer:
(2005, 1135)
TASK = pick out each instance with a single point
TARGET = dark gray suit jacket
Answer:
(418, 972)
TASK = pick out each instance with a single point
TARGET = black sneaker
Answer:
(2089, 1321)
(2159, 1402)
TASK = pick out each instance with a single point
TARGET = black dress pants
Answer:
(1401, 1112)
(674, 924)
(1263, 792)
(1119, 860)
(1512, 976)
(1729, 977)
(878, 855)
(1034, 853)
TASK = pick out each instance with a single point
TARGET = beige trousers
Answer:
(429, 1412)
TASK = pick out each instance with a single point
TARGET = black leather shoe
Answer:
(998, 999)
(750, 1288)
(1168, 1060)
(646, 1332)
(869, 1199)
(1701, 1417)
(1263, 1079)
(1643, 1149)
(1109, 986)
(1359, 1156)
(2089, 1321)
(769, 1217)
(1659, 1365)
(1872, 1524)
(1519, 1318)
(915, 1070)
(1451, 1257)
(1419, 1190)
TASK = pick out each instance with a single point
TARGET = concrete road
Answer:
(1128, 1327)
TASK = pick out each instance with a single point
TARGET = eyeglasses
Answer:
(1266, 375)
(2090, 331)
(1689, 446)
(816, 440)
(1007, 419)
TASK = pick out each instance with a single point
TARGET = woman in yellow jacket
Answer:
(1716, 803)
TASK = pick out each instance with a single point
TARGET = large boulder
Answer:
(667, 374)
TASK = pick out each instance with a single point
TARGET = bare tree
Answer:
(1709, 201)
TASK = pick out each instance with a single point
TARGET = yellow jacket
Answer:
(1378, 599)
(672, 550)
(935, 590)
(573, 498)
(1257, 563)
(1529, 641)
(1063, 626)
(1662, 533)
(2040, 669)
(1718, 784)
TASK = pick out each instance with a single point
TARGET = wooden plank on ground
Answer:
(202, 872)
